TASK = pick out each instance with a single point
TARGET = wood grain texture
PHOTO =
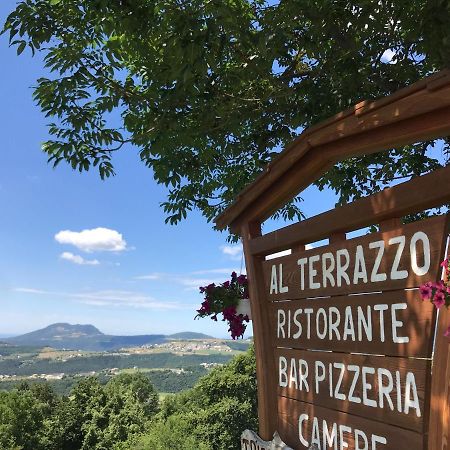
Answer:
(418, 325)
(265, 369)
(322, 388)
(439, 437)
(429, 191)
(289, 429)
(434, 228)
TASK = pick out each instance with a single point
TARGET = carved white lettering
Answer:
(376, 276)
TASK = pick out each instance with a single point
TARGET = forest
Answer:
(126, 413)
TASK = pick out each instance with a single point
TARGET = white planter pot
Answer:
(243, 307)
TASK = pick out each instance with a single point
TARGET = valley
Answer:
(172, 363)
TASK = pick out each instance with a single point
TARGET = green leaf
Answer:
(21, 47)
(210, 92)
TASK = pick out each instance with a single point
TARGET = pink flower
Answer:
(221, 299)
(444, 264)
(447, 333)
(242, 279)
(237, 327)
(426, 291)
(229, 313)
(439, 299)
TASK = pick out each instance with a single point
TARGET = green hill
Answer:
(184, 335)
(81, 337)
(88, 337)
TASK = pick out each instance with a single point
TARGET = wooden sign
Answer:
(348, 356)
(402, 258)
(396, 323)
(346, 364)
(391, 390)
(251, 441)
(308, 425)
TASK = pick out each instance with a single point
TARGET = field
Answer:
(172, 366)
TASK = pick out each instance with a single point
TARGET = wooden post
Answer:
(439, 428)
(265, 366)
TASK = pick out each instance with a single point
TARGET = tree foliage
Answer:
(208, 91)
(212, 415)
(125, 414)
(93, 417)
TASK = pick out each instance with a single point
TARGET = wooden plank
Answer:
(324, 157)
(384, 124)
(366, 106)
(385, 389)
(439, 439)
(332, 324)
(396, 259)
(365, 119)
(299, 424)
(430, 190)
(265, 369)
(297, 178)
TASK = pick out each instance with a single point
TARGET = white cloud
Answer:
(186, 281)
(151, 276)
(226, 271)
(124, 298)
(389, 57)
(234, 252)
(193, 280)
(194, 283)
(111, 298)
(94, 240)
(30, 291)
(77, 259)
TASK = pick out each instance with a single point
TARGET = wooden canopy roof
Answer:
(416, 113)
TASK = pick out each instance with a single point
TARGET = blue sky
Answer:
(133, 274)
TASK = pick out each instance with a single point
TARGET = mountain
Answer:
(81, 337)
(88, 337)
(58, 332)
(189, 335)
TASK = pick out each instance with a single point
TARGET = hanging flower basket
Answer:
(225, 299)
(439, 293)
(243, 307)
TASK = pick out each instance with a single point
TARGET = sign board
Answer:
(352, 339)
(251, 441)
(347, 354)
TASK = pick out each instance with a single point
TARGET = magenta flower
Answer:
(439, 293)
(229, 312)
(223, 299)
(242, 279)
(426, 291)
(439, 299)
